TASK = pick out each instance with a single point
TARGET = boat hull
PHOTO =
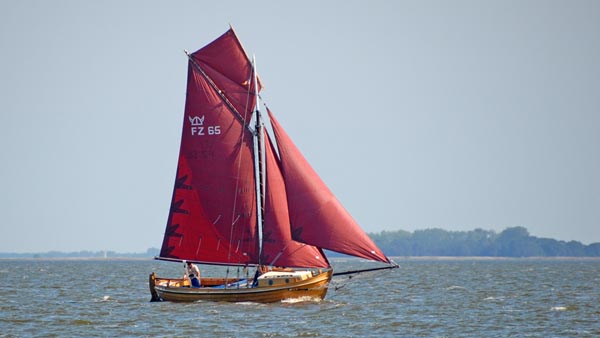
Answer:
(174, 290)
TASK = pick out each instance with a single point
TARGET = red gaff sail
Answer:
(316, 216)
(213, 209)
(278, 247)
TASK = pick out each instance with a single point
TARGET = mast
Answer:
(259, 162)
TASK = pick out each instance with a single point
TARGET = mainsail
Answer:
(213, 209)
(214, 214)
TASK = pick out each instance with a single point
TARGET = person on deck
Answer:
(193, 273)
(261, 269)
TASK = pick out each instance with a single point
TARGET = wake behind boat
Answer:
(245, 198)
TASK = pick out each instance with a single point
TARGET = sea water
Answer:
(423, 298)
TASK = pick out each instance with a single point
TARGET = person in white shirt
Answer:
(193, 273)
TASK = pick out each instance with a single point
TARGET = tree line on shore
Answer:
(512, 242)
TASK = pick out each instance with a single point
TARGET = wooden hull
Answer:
(268, 290)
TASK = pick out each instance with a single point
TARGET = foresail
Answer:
(317, 217)
(278, 247)
(213, 209)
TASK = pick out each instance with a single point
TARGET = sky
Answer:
(417, 114)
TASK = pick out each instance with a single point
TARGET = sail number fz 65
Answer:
(199, 129)
(210, 130)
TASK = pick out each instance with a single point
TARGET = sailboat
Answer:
(245, 197)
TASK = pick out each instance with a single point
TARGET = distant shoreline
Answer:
(107, 259)
(397, 259)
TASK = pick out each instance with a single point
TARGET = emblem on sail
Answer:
(199, 129)
(196, 121)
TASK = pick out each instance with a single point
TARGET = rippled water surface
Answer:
(429, 298)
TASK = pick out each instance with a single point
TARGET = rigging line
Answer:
(340, 284)
(216, 89)
(237, 182)
(364, 270)
(273, 141)
(237, 178)
(280, 253)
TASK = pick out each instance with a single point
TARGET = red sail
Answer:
(316, 216)
(213, 209)
(278, 247)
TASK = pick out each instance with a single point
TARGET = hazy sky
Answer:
(449, 114)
